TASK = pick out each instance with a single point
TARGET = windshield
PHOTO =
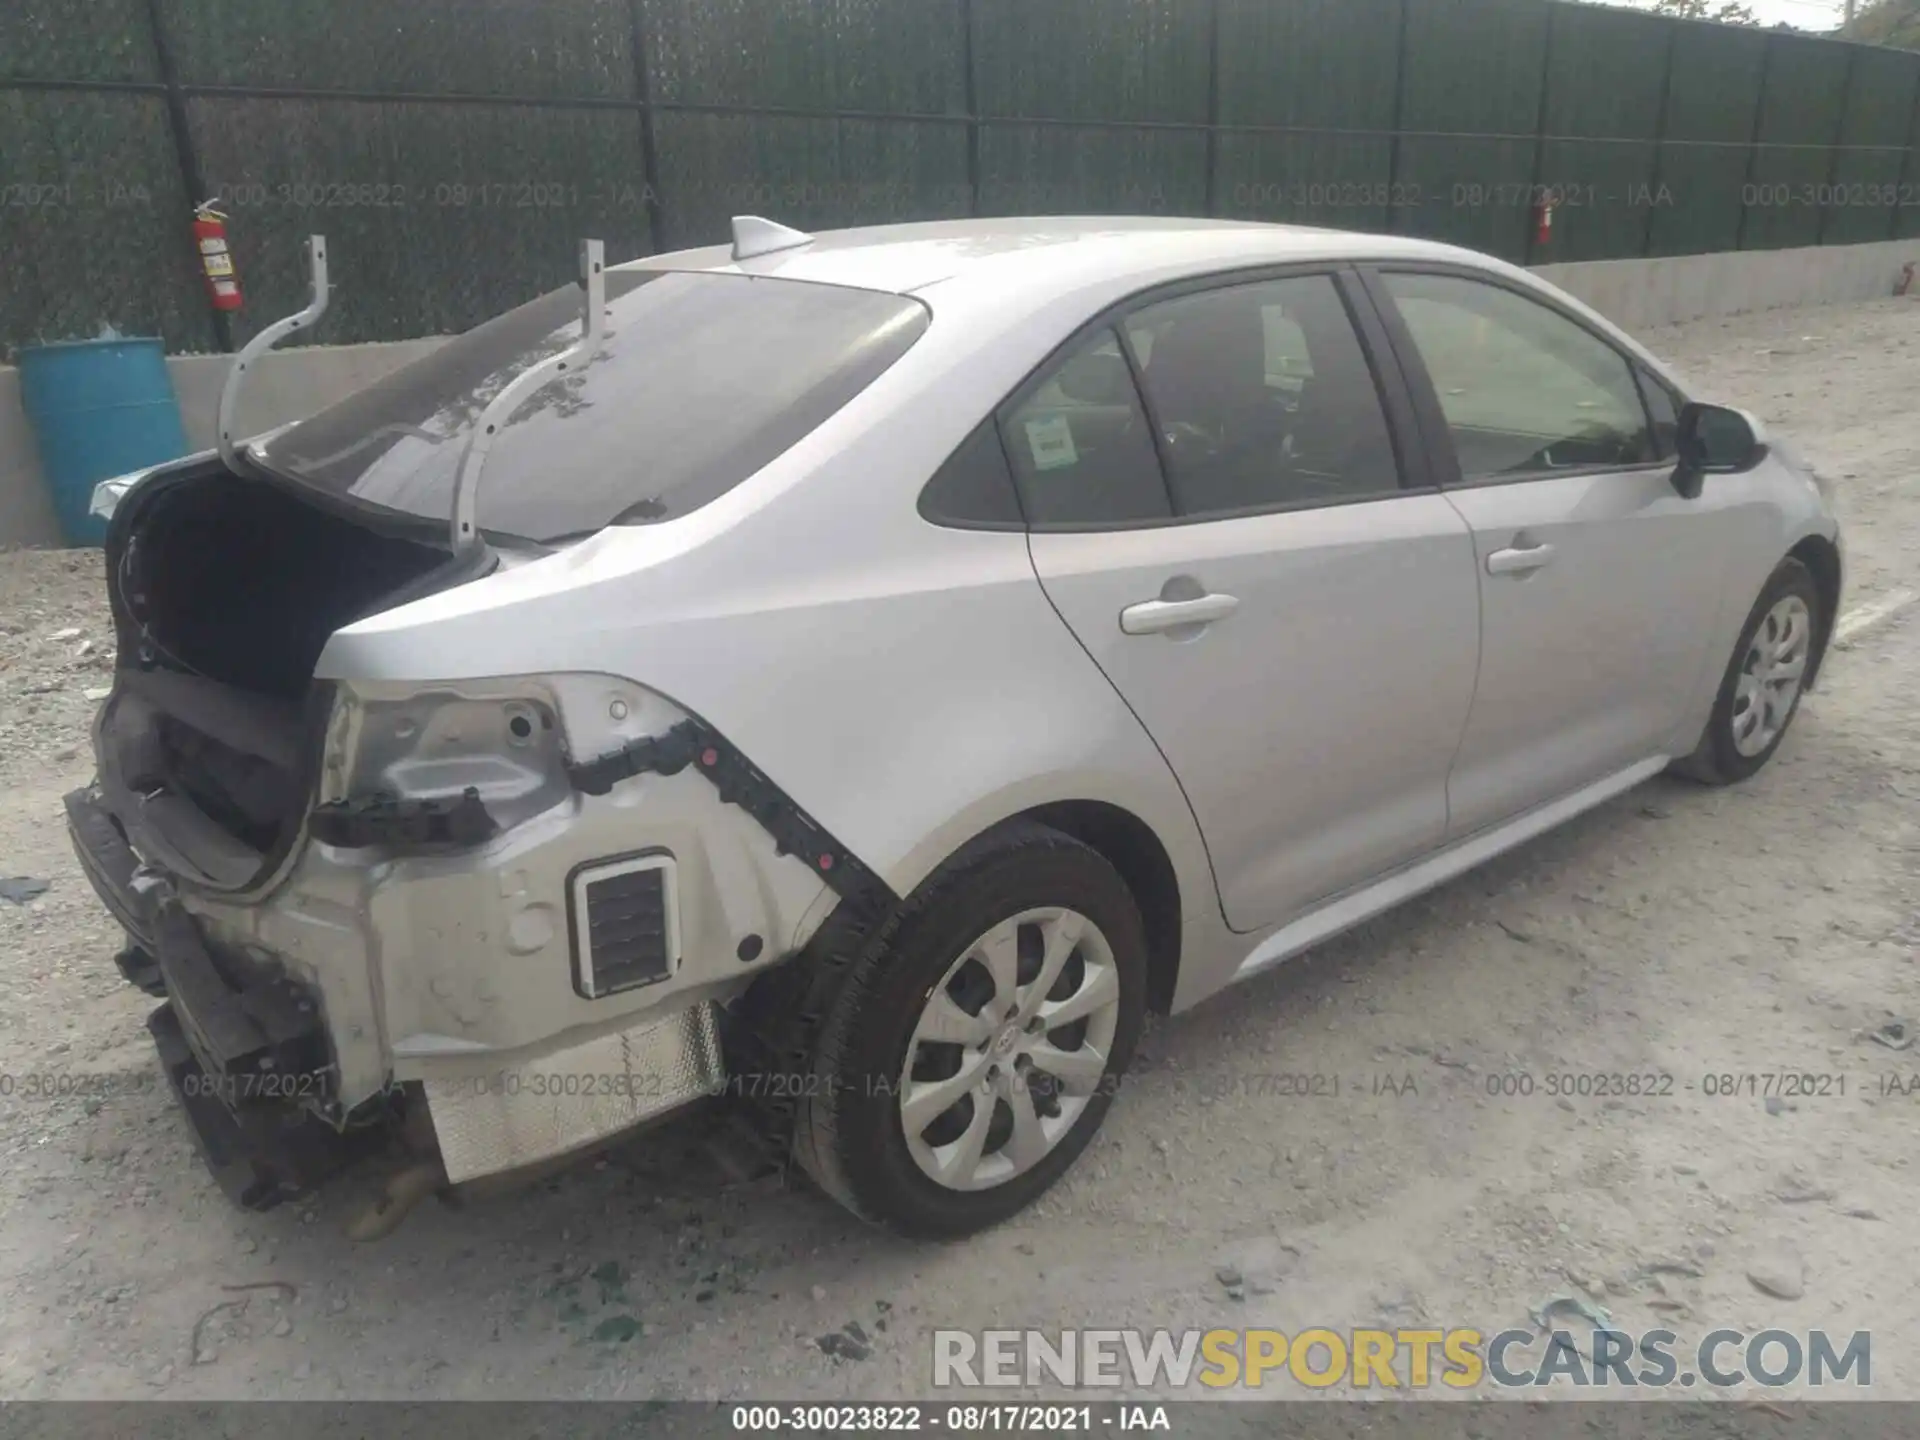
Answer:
(703, 380)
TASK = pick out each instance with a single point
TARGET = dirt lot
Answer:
(1676, 931)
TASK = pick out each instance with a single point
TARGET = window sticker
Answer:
(1051, 442)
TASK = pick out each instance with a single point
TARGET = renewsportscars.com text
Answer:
(1412, 1359)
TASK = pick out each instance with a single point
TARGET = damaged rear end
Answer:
(224, 589)
(495, 918)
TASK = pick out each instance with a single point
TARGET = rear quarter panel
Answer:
(908, 685)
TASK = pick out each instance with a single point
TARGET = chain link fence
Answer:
(455, 151)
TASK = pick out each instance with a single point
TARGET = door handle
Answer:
(1154, 617)
(1519, 561)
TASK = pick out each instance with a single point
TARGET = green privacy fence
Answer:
(454, 151)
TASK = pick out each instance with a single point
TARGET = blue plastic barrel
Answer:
(99, 408)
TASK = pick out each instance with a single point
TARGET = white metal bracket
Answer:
(466, 484)
(266, 340)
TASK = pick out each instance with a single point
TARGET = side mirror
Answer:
(1715, 440)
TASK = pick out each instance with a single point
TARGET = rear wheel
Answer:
(974, 1047)
(1760, 692)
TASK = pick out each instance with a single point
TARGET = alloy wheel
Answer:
(1771, 675)
(1009, 1048)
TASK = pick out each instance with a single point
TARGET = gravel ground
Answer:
(1766, 928)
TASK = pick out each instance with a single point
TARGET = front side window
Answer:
(1263, 397)
(1664, 409)
(703, 380)
(1524, 389)
(1081, 451)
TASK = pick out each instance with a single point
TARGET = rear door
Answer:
(1598, 582)
(1217, 509)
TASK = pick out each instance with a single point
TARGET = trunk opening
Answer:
(225, 590)
(240, 582)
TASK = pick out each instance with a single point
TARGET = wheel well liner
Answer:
(1131, 847)
(1822, 559)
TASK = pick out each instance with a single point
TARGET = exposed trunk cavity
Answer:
(225, 590)
(241, 583)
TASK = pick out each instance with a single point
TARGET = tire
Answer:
(1732, 749)
(866, 990)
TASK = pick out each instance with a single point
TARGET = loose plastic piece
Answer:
(385, 821)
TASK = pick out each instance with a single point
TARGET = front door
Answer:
(1599, 584)
(1296, 631)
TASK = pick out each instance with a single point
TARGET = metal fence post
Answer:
(1906, 163)
(657, 230)
(1213, 107)
(1397, 143)
(1660, 140)
(1533, 197)
(190, 177)
(1753, 140)
(972, 102)
(1839, 144)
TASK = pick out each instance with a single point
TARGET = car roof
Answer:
(1051, 272)
(906, 259)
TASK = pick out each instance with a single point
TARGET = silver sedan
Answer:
(896, 661)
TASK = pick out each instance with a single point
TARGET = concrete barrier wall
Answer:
(1637, 294)
(287, 385)
(1641, 294)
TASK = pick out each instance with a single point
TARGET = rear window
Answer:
(703, 379)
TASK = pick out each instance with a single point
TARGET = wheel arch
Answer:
(1822, 559)
(1129, 844)
(1128, 807)
(1169, 893)
(772, 1028)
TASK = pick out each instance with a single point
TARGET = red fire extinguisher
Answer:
(1543, 221)
(216, 260)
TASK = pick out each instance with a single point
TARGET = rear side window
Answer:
(703, 379)
(974, 489)
(1081, 450)
(1264, 398)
